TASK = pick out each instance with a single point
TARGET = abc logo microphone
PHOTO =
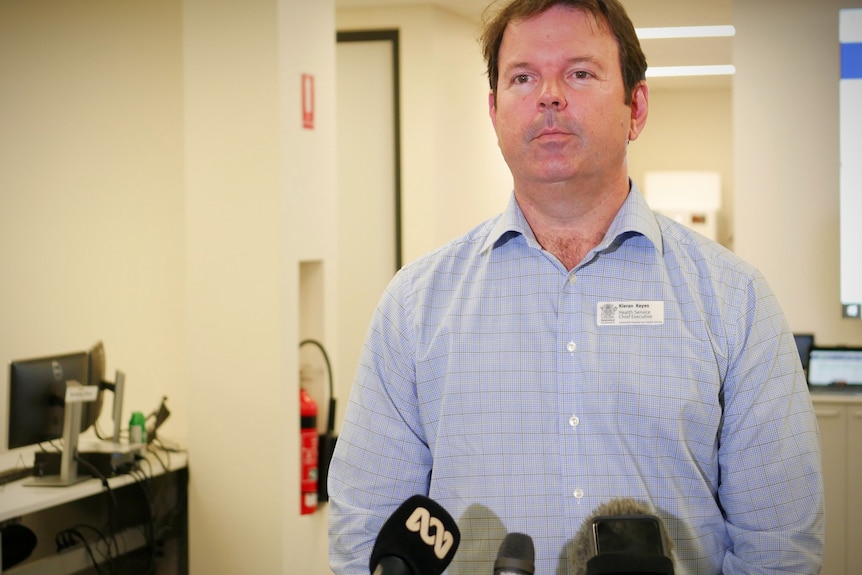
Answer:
(419, 538)
(622, 536)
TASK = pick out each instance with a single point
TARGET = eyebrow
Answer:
(570, 62)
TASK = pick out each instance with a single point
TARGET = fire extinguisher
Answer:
(308, 453)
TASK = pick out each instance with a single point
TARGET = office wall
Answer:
(453, 175)
(689, 129)
(158, 192)
(92, 220)
(773, 136)
(260, 216)
(785, 153)
(449, 144)
(184, 255)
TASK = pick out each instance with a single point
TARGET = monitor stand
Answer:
(71, 428)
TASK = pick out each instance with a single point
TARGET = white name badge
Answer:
(630, 313)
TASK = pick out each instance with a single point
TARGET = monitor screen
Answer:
(837, 367)
(36, 396)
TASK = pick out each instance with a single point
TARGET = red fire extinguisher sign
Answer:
(308, 452)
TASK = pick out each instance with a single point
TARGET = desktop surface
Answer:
(18, 499)
(145, 510)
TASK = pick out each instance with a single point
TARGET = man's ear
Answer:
(492, 108)
(640, 109)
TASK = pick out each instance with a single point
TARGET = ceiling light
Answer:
(676, 71)
(685, 32)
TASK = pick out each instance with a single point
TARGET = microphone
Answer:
(622, 537)
(419, 538)
(516, 556)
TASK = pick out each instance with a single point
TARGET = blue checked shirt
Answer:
(519, 396)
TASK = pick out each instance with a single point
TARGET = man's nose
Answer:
(553, 95)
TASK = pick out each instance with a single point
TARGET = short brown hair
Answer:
(632, 60)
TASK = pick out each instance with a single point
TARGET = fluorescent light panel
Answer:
(685, 32)
(676, 71)
(673, 32)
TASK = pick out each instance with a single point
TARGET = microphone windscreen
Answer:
(516, 555)
(584, 546)
(420, 533)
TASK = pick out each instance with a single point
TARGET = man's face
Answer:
(560, 110)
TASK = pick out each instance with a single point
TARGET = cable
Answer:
(165, 465)
(95, 471)
(144, 483)
(98, 431)
(111, 511)
(53, 445)
(163, 510)
(67, 538)
(155, 518)
(159, 443)
(330, 417)
(327, 440)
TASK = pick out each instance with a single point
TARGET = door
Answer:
(367, 131)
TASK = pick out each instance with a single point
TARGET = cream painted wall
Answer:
(785, 153)
(449, 151)
(467, 163)
(194, 248)
(92, 220)
(449, 144)
(689, 130)
(157, 191)
(234, 285)
(260, 194)
(770, 206)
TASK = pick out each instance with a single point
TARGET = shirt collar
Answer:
(635, 216)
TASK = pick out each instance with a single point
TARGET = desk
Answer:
(143, 517)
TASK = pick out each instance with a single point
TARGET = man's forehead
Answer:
(598, 26)
(596, 22)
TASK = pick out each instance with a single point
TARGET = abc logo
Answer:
(431, 530)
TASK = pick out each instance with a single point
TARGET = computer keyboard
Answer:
(14, 474)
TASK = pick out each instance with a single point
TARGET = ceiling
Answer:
(644, 14)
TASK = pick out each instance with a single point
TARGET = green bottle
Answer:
(137, 428)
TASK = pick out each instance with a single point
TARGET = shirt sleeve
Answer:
(381, 457)
(771, 485)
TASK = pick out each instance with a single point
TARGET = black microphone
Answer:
(419, 538)
(516, 556)
(622, 537)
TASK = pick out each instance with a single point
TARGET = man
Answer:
(578, 348)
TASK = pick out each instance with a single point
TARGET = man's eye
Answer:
(581, 75)
(521, 79)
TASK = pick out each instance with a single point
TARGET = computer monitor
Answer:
(835, 368)
(804, 344)
(118, 388)
(90, 411)
(37, 390)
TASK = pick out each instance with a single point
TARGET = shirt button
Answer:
(573, 279)
(578, 493)
(574, 421)
(571, 347)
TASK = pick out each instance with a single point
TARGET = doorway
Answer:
(369, 183)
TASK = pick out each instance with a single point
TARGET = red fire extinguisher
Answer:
(308, 452)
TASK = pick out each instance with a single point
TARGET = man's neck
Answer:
(568, 221)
